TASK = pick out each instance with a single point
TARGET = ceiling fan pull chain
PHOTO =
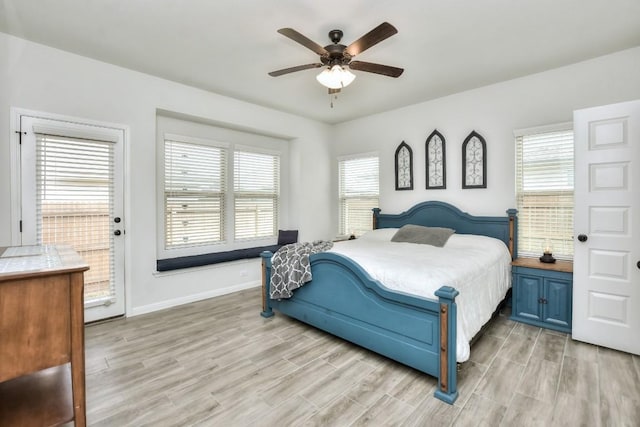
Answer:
(335, 96)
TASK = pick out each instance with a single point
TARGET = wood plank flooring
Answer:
(218, 363)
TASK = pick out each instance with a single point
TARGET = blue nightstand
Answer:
(542, 293)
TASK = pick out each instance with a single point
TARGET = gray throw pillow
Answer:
(411, 233)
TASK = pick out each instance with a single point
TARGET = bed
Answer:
(345, 300)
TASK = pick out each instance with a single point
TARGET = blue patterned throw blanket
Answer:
(290, 268)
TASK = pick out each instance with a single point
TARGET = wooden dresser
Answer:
(42, 375)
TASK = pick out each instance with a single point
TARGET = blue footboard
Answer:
(343, 300)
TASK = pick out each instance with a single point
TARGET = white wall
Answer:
(39, 78)
(495, 112)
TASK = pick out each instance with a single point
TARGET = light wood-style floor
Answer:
(218, 363)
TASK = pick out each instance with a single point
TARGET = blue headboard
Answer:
(441, 214)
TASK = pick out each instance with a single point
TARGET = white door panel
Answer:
(609, 220)
(606, 289)
(608, 265)
(72, 193)
(607, 134)
(609, 176)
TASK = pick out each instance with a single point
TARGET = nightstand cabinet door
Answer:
(557, 310)
(527, 293)
(542, 297)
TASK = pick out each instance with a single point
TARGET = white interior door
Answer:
(72, 193)
(606, 287)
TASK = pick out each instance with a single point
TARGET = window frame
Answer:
(278, 185)
(343, 228)
(233, 139)
(220, 195)
(562, 248)
(163, 251)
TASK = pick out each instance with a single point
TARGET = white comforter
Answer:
(479, 267)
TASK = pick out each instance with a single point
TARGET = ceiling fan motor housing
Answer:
(336, 51)
(336, 56)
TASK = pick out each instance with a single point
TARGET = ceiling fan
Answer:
(336, 57)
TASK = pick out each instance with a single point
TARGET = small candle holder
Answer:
(547, 256)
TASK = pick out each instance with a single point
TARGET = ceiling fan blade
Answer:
(373, 37)
(294, 69)
(370, 67)
(304, 41)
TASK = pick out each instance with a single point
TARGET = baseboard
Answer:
(136, 311)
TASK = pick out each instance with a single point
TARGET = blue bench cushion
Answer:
(212, 258)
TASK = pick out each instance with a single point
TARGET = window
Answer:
(256, 191)
(359, 190)
(218, 191)
(194, 194)
(544, 191)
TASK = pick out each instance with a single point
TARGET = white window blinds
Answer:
(359, 190)
(74, 204)
(544, 193)
(194, 193)
(256, 189)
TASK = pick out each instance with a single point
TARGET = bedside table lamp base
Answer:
(547, 258)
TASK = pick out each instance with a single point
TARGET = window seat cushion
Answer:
(212, 258)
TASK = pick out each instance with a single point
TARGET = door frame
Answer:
(16, 185)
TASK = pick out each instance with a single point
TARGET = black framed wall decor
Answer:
(404, 167)
(435, 161)
(474, 161)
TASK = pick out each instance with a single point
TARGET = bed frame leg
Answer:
(267, 311)
(513, 232)
(447, 379)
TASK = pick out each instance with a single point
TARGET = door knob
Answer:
(117, 232)
(638, 264)
(582, 237)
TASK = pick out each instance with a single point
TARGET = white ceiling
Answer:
(229, 46)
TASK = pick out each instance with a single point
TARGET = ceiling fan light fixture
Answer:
(335, 77)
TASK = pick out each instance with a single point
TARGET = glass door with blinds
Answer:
(72, 194)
